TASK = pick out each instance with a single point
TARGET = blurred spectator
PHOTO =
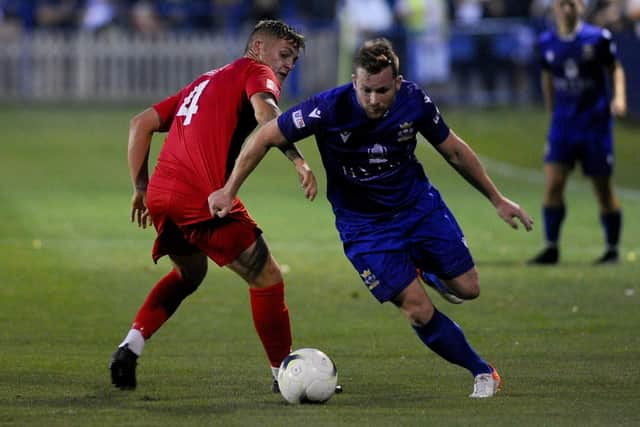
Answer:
(57, 14)
(145, 18)
(467, 12)
(312, 13)
(178, 15)
(632, 11)
(263, 9)
(228, 15)
(186, 15)
(517, 8)
(360, 20)
(98, 15)
(493, 42)
(12, 19)
(541, 14)
(426, 22)
(606, 13)
(365, 19)
(469, 53)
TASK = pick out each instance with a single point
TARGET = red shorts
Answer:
(222, 239)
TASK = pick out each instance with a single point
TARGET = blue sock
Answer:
(612, 223)
(553, 217)
(445, 338)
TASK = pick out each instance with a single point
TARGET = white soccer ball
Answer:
(307, 375)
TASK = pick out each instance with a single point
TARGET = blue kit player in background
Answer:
(583, 84)
(393, 223)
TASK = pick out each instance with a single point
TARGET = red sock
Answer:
(161, 303)
(271, 320)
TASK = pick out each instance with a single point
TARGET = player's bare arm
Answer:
(619, 100)
(264, 106)
(465, 161)
(267, 109)
(546, 82)
(141, 129)
(267, 137)
(305, 174)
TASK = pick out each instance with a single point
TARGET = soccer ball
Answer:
(307, 375)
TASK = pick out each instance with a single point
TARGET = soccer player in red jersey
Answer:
(207, 122)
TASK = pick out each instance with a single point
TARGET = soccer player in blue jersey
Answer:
(394, 225)
(583, 84)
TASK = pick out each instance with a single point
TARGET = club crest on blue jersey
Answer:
(369, 279)
(588, 52)
(571, 68)
(377, 154)
(298, 120)
(406, 132)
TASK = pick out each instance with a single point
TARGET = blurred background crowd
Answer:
(479, 52)
(234, 15)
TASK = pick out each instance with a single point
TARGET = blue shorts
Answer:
(595, 154)
(387, 251)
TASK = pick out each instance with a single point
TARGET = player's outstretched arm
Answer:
(141, 129)
(266, 109)
(465, 161)
(252, 153)
(305, 174)
(509, 210)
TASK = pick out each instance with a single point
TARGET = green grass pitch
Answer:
(73, 272)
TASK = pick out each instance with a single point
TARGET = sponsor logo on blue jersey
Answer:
(298, 120)
(345, 136)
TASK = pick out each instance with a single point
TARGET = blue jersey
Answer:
(370, 164)
(579, 66)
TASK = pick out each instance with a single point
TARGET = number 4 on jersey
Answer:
(190, 104)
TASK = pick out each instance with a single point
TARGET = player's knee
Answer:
(193, 275)
(419, 314)
(421, 317)
(470, 291)
(466, 287)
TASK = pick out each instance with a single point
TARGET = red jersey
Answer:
(208, 121)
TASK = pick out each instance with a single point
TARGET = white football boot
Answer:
(486, 385)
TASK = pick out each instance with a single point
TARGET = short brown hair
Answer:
(375, 55)
(279, 30)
